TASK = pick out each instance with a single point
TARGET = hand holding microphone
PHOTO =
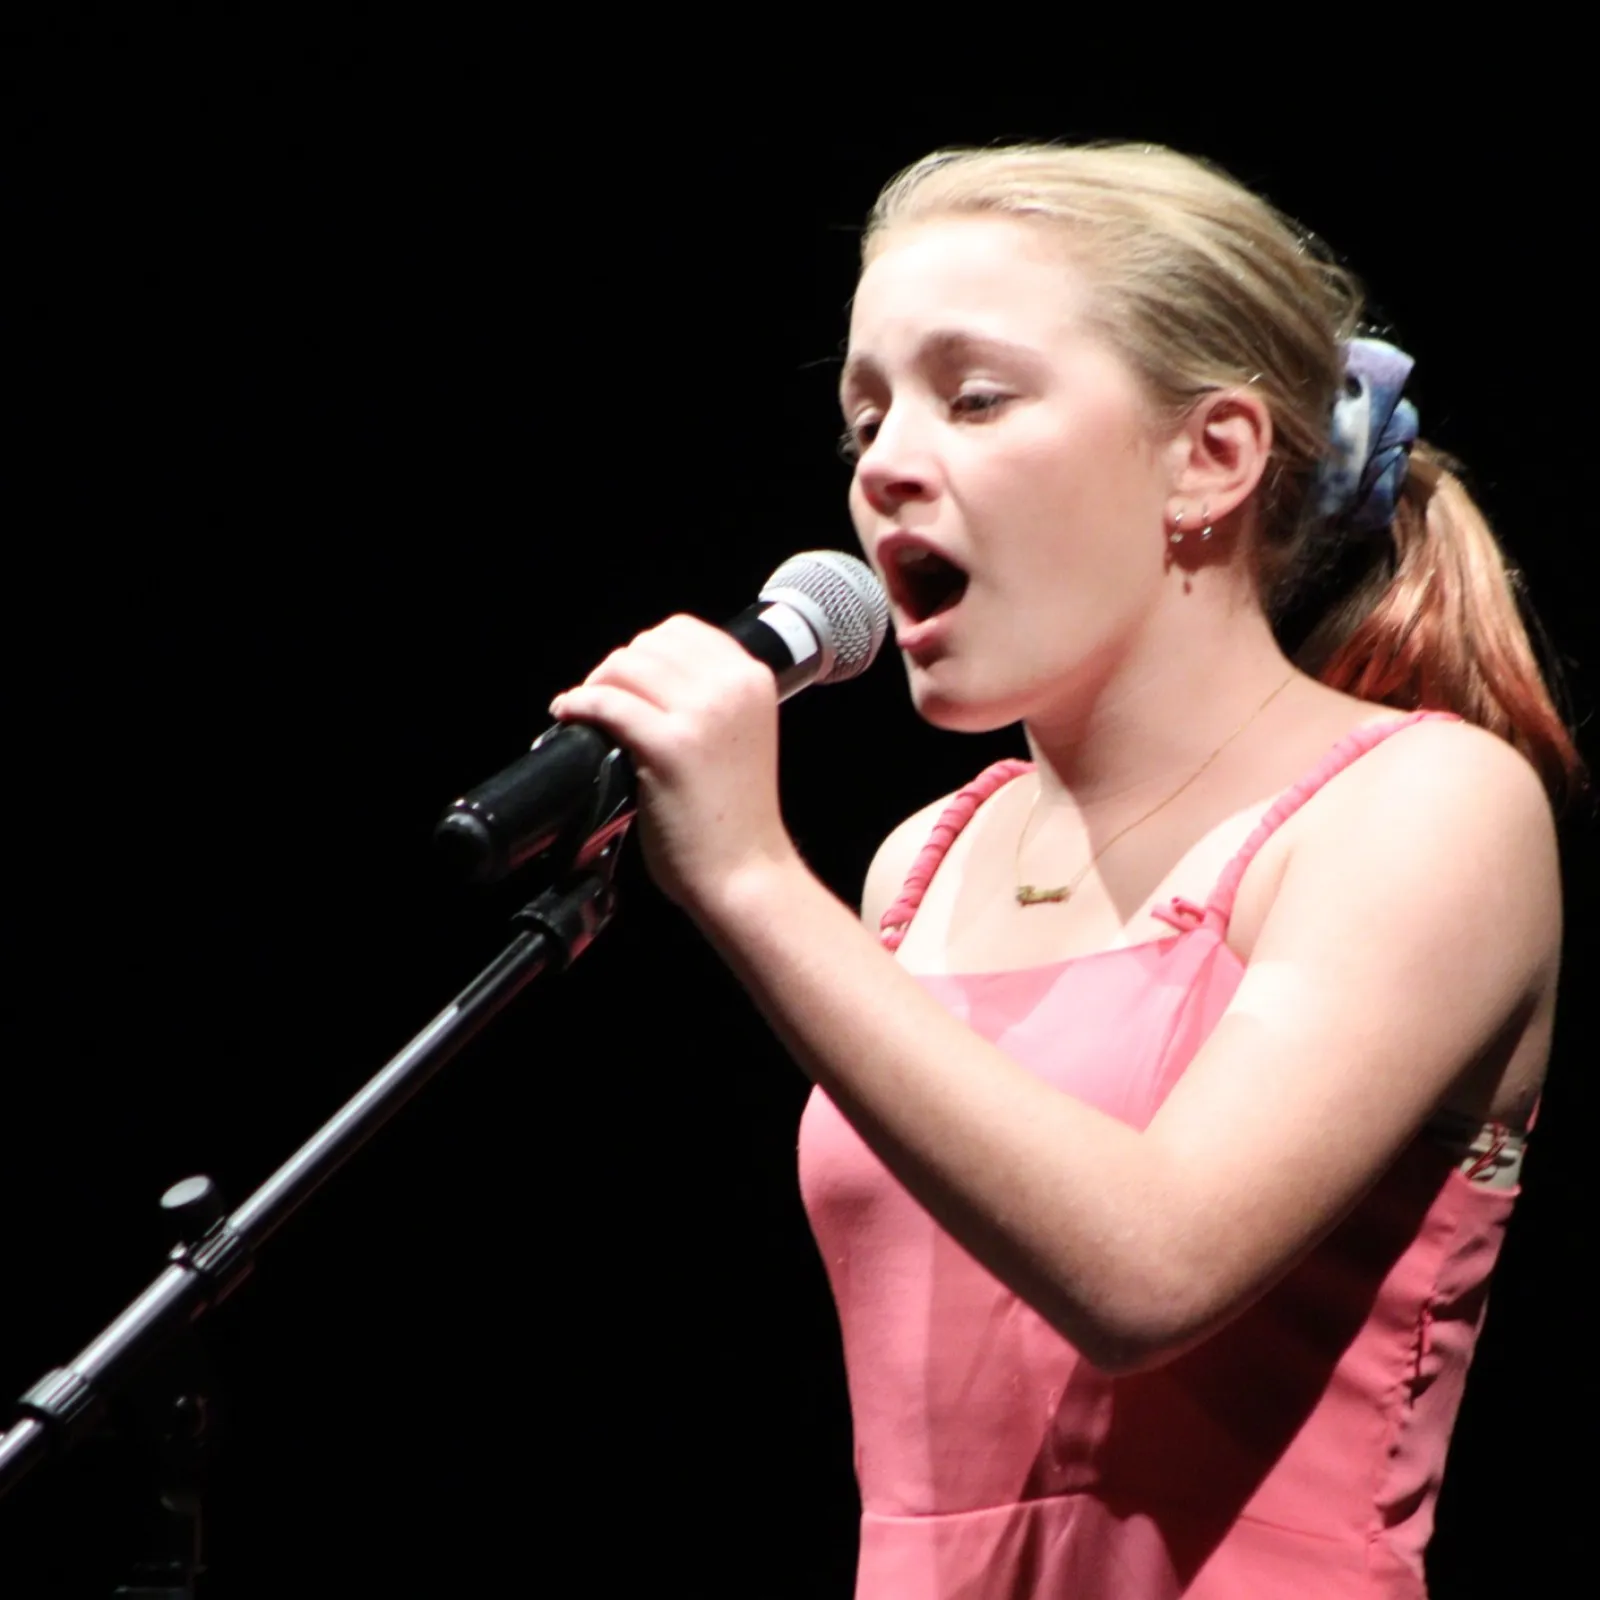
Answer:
(698, 720)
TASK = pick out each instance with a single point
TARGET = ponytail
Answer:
(1436, 625)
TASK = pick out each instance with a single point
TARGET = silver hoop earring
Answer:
(1176, 536)
(1205, 517)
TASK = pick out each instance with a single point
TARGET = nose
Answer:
(896, 467)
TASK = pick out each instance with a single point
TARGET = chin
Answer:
(944, 706)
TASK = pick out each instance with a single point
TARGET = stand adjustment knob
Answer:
(195, 1204)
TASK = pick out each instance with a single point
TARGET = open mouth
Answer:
(922, 582)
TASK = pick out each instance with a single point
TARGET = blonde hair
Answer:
(1201, 285)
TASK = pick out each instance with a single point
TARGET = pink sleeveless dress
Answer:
(1296, 1453)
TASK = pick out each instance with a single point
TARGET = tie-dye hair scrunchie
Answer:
(1358, 485)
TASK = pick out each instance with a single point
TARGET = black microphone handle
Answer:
(576, 779)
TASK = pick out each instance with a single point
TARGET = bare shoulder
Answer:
(894, 860)
(1456, 793)
(1426, 876)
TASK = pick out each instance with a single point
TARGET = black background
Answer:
(367, 383)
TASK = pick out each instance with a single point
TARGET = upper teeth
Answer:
(917, 558)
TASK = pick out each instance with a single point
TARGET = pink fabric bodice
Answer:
(1297, 1452)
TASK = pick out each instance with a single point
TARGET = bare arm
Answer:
(1411, 932)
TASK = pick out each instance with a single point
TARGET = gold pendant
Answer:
(1027, 895)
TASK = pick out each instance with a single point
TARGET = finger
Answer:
(640, 671)
(711, 655)
(660, 660)
(689, 642)
(630, 719)
(690, 635)
(678, 662)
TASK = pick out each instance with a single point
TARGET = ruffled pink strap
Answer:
(1348, 749)
(1181, 914)
(955, 816)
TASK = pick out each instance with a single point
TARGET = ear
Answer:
(1219, 452)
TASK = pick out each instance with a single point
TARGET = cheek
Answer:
(1098, 495)
(1051, 502)
(862, 517)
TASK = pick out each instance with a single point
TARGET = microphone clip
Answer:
(560, 805)
(574, 913)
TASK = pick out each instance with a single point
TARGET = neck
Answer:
(1174, 695)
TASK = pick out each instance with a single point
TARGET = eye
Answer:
(978, 404)
(858, 436)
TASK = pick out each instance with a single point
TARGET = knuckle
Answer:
(608, 667)
(755, 679)
(670, 628)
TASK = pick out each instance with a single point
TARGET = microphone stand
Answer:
(147, 1348)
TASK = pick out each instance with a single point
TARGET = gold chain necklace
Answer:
(1027, 895)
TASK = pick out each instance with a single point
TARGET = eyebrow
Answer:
(939, 347)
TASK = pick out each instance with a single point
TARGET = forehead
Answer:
(1005, 277)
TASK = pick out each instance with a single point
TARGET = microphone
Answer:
(820, 618)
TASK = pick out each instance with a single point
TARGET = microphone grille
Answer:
(852, 602)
